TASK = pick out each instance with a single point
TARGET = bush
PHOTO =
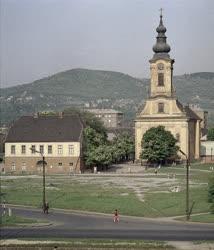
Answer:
(211, 193)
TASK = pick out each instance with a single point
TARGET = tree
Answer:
(210, 134)
(211, 193)
(89, 119)
(158, 145)
(123, 147)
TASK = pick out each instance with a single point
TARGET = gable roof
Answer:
(191, 114)
(46, 129)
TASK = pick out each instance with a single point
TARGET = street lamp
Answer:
(211, 154)
(187, 185)
(43, 170)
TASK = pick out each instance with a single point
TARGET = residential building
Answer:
(111, 118)
(57, 138)
(207, 151)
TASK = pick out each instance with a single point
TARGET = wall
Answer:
(207, 151)
(56, 163)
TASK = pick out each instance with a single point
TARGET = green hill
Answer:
(101, 89)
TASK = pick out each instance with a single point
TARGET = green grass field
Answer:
(87, 244)
(206, 218)
(15, 220)
(96, 194)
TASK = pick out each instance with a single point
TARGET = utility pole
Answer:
(43, 174)
(187, 185)
(43, 170)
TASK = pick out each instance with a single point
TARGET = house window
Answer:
(60, 150)
(23, 166)
(161, 107)
(13, 166)
(160, 79)
(41, 149)
(71, 163)
(60, 164)
(33, 149)
(70, 149)
(13, 150)
(23, 149)
(49, 149)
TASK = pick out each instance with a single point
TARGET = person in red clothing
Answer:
(116, 216)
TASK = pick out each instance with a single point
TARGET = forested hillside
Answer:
(99, 89)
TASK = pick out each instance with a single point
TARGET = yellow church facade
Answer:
(162, 106)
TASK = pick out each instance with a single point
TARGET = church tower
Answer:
(161, 65)
(162, 106)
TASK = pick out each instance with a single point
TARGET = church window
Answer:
(161, 107)
(160, 79)
(177, 137)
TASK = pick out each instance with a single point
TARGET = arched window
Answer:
(160, 79)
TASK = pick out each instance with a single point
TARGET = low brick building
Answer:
(58, 138)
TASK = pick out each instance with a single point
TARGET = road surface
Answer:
(64, 224)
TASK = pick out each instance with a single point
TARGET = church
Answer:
(163, 108)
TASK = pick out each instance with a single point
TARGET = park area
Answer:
(131, 189)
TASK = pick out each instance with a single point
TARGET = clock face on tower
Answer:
(160, 66)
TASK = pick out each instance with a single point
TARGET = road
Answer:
(76, 225)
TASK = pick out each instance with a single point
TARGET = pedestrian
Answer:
(46, 207)
(116, 216)
(156, 171)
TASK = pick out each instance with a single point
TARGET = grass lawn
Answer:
(95, 194)
(74, 244)
(15, 220)
(207, 218)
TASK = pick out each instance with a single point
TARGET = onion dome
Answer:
(161, 46)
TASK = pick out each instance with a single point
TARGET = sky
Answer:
(39, 38)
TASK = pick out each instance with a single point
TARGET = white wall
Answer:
(207, 148)
(65, 146)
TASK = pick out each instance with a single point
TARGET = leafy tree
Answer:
(123, 147)
(98, 156)
(158, 145)
(210, 134)
(211, 193)
(96, 150)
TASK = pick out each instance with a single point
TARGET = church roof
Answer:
(161, 48)
(191, 114)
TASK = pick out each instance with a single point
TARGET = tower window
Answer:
(160, 79)
(161, 107)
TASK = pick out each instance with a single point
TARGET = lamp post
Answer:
(211, 154)
(43, 171)
(187, 185)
